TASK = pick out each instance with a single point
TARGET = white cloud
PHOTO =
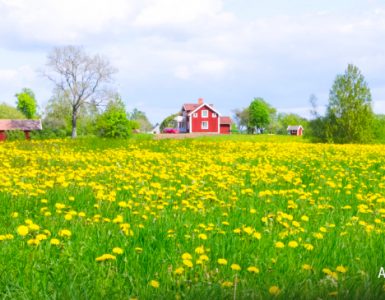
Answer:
(60, 21)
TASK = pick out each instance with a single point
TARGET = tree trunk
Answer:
(74, 119)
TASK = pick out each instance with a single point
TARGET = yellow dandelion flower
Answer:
(307, 267)
(106, 257)
(65, 233)
(22, 230)
(186, 256)
(54, 242)
(41, 237)
(309, 247)
(257, 235)
(202, 236)
(179, 271)
(117, 250)
(188, 263)
(33, 227)
(138, 250)
(341, 269)
(274, 290)
(279, 245)
(33, 242)
(200, 250)
(293, 244)
(222, 261)
(253, 269)
(204, 257)
(235, 267)
(227, 284)
(154, 283)
(14, 214)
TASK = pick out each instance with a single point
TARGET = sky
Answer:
(170, 52)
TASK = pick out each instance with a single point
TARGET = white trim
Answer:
(190, 121)
(204, 104)
(207, 113)
(202, 127)
(219, 124)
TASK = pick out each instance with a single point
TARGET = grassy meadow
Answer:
(208, 218)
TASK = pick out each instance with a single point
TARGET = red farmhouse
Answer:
(202, 117)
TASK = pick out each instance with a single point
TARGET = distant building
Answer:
(155, 129)
(202, 117)
(295, 129)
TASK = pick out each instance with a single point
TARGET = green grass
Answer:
(172, 191)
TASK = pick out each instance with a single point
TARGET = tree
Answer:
(9, 112)
(242, 117)
(141, 118)
(113, 122)
(349, 114)
(81, 76)
(26, 103)
(260, 114)
(284, 120)
(168, 122)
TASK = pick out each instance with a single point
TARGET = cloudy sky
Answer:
(169, 52)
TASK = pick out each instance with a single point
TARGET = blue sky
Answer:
(169, 52)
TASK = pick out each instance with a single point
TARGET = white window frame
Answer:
(214, 115)
(205, 127)
(206, 113)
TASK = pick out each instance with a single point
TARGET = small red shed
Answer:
(225, 125)
(295, 130)
(25, 125)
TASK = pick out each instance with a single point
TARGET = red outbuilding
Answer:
(294, 130)
(202, 117)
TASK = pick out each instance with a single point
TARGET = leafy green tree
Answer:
(259, 114)
(114, 122)
(168, 122)
(242, 118)
(349, 116)
(9, 112)
(284, 120)
(141, 118)
(379, 128)
(26, 103)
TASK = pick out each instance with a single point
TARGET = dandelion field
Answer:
(189, 219)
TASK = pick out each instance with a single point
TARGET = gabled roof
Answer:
(225, 120)
(20, 125)
(294, 127)
(201, 105)
(190, 106)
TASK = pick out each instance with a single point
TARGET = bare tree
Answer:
(80, 76)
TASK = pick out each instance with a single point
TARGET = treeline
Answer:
(111, 120)
(83, 102)
(349, 116)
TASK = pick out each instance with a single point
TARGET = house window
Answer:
(195, 115)
(205, 113)
(214, 115)
(205, 125)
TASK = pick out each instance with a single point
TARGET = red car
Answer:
(170, 130)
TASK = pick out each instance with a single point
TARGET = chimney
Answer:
(200, 101)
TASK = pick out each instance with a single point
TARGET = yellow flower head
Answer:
(65, 233)
(279, 245)
(188, 263)
(341, 269)
(22, 230)
(186, 256)
(202, 236)
(179, 271)
(117, 250)
(293, 244)
(200, 250)
(222, 261)
(253, 269)
(154, 284)
(235, 267)
(274, 290)
(106, 257)
(54, 242)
